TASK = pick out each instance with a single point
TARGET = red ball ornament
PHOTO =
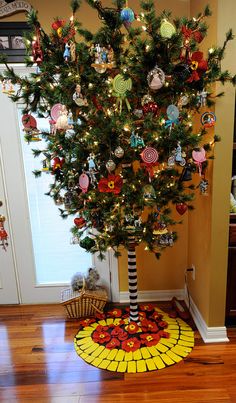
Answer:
(150, 107)
(79, 222)
(181, 208)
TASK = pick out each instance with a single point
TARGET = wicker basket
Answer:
(83, 304)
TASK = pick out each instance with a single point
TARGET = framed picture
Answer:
(11, 40)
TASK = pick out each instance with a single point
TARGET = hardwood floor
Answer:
(38, 363)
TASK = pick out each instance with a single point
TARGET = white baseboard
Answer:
(208, 334)
(153, 295)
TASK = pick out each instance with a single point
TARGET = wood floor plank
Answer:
(38, 363)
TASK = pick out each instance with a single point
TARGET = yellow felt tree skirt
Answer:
(116, 345)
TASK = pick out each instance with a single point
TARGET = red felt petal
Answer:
(103, 185)
(197, 56)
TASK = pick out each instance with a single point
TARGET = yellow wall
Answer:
(208, 228)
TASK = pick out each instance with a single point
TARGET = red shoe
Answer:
(181, 310)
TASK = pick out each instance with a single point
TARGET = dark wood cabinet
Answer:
(230, 314)
(231, 276)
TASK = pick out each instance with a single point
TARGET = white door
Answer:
(8, 283)
(26, 274)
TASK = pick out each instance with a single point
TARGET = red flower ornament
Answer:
(131, 344)
(58, 24)
(142, 316)
(86, 322)
(149, 326)
(162, 324)
(132, 328)
(111, 184)
(156, 316)
(119, 333)
(164, 334)
(146, 307)
(150, 339)
(101, 337)
(122, 335)
(100, 316)
(115, 313)
(198, 66)
(101, 328)
(113, 343)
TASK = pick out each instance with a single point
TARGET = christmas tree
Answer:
(122, 149)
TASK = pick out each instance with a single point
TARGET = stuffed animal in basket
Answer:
(92, 279)
(89, 282)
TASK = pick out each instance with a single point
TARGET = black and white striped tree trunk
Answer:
(133, 281)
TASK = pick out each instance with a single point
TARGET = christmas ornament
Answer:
(57, 164)
(198, 66)
(199, 156)
(149, 194)
(159, 228)
(91, 163)
(149, 155)
(29, 122)
(87, 243)
(156, 79)
(83, 182)
(120, 87)
(79, 222)
(119, 152)
(7, 87)
(3, 233)
(150, 107)
(37, 52)
(171, 161)
(30, 127)
(68, 200)
(46, 165)
(58, 24)
(111, 184)
(186, 174)
(203, 186)
(146, 99)
(136, 141)
(103, 58)
(78, 97)
(165, 240)
(172, 113)
(181, 208)
(127, 15)
(67, 53)
(110, 165)
(178, 155)
(189, 33)
(202, 97)
(167, 30)
(208, 119)
(55, 111)
(62, 120)
(73, 51)
(183, 101)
